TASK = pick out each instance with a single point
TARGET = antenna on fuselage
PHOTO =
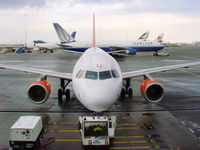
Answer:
(93, 34)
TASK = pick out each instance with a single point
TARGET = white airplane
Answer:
(97, 80)
(40, 45)
(112, 47)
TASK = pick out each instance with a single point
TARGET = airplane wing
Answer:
(71, 51)
(131, 74)
(55, 74)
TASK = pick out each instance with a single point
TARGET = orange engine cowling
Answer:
(39, 91)
(152, 91)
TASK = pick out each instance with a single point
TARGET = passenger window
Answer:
(91, 75)
(114, 74)
(104, 75)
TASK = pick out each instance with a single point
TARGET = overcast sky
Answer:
(115, 19)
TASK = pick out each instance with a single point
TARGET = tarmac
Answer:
(172, 124)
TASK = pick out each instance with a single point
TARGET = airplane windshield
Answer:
(104, 75)
(114, 74)
(91, 75)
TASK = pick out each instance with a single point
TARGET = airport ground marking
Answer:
(68, 140)
(75, 123)
(119, 142)
(68, 130)
(130, 128)
(190, 73)
(127, 137)
(126, 142)
(63, 123)
(128, 124)
(135, 147)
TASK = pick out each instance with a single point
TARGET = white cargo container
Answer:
(25, 132)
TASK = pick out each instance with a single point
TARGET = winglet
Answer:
(94, 36)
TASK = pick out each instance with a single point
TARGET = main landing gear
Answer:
(63, 92)
(127, 90)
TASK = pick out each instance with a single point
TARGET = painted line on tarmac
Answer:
(127, 137)
(190, 73)
(119, 142)
(63, 123)
(68, 130)
(128, 124)
(131, 128)
(197, 59)
(68, 140)
(124, 142)
(134, 128)
(74, 123)
(135, 147)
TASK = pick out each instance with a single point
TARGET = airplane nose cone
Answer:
(99, 98)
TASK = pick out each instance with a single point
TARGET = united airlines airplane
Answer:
(97, 80)
(128, 47)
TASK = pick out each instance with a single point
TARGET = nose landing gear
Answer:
(127, 90)
(63, 93)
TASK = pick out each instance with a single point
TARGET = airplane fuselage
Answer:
(139, 46)
(97, 80)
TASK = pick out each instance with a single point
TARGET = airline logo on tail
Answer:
(160, 38)
(63, 35)
(144, 36)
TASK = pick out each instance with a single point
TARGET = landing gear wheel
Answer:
(155, 54)
(60, 100)
(123, 93)
(67, 94)
(130, 92)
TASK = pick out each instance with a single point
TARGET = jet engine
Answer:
(152, 91)
(131, 51)
(39, 91)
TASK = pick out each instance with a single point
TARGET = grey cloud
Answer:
(7, 4)
(154, 6)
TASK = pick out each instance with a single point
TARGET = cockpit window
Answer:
(80, 74)
(114, 74)
(104, 75)
(91, 75)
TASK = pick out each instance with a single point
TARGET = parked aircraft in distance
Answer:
(128, 47)
(97, 80)
(40, 45)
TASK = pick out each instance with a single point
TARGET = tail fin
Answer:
(38, 42)
(144, 36)
(160, 37)
(63, 35)
(94, 36)
(73, 35)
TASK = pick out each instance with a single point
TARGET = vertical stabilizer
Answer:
(73, 35)
(63, 35)
(144, 36)
(93, 36)
(160, 37)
